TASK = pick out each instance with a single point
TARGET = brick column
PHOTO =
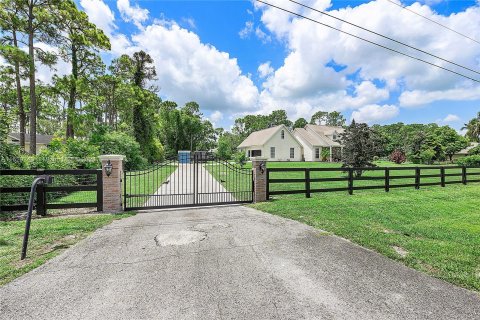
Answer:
(259, 167)
(112, 185)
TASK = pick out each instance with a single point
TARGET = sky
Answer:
(243, 57)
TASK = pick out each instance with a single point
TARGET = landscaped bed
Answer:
(435, 230)
(48, 238)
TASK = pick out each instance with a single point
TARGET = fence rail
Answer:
(465, 174)
(55, 196)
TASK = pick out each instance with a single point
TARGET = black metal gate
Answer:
(191, 179)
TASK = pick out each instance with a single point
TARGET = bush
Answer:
(49, 159)
(82, 153)
(474, 151)
(469, 161)
(10, 156)
(240, 158)
(398, 156)
(123, 144)
(427, 156)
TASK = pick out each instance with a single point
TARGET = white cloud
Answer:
(247, 30)
(100, 14)
(264, 70)
(375, 113)
(131, 13)
(448, 119)
(262, 36)
(188, 69)
(304, 81)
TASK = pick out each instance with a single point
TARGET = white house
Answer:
(274, 144)
(320, 143)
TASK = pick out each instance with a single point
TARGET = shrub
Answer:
(427, 156)
(469, 161)
(474, 151)
(82, 153)
(10, 156)
(240, 158)
(49, 159)
(122, 143)
(398, 156)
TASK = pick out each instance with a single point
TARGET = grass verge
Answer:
(48, 238)
(435, 230)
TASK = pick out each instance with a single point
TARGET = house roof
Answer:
(325, 130)
(470, 147)
(41, 138)
(259, 138)
(315, 138)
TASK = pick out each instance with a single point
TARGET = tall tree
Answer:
(360, 146)
(335, 119)
(11, 23)
(319, 117)
(42, 21)
(80, 46)
(473, 128)
(300, 123)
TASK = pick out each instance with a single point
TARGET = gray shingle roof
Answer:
(41, 138)
(315, 138)
(259, 138)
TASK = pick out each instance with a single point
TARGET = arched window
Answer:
(283, 134)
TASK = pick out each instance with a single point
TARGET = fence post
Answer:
(417, 178)
(350, 181)
(112, 184)
(442, 176)
(307, 183)
(267, 185)
(464, 175)
(99, 190)
(41, 196)
(259, 168)
(387, 180)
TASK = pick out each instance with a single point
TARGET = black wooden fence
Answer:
(69, 190)
(291, 182)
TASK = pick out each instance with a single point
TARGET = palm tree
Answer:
(473, 129)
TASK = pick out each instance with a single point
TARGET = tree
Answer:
(398, 156)
(450, 140)
(80, 47)
(319, 117)
(278, 117)
(300, 123)
(11, 22)
(335, 119)
(41, 22)
(473, 129)
(360, 146)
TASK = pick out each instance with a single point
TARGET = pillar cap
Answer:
(111, 157)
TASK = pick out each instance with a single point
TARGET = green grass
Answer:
(140, 182)
(438, 227)
(234, 178)
(48, 238)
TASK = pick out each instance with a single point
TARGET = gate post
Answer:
(112, 184)
(259, 168)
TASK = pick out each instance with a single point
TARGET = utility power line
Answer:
(386, 37)
(431, 20)
(369, 41)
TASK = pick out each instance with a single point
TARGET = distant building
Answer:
(315, 139)
(303, 144)
(464, 152)
(42, 140)
(274, 144)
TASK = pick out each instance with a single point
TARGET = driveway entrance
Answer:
(227, 262)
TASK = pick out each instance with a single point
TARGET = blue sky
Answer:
(235, 57)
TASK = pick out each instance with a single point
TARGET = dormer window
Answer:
(282, 134)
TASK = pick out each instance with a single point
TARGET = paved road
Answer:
(181, 189)
(227, 263)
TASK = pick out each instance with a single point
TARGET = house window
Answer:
(292, 153)
(272, 152)
(317, 153)
(283, 134)
(256, 153)
(334, 137)
(249, 153)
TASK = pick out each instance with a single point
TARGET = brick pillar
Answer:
(112, 185)
(259, 167)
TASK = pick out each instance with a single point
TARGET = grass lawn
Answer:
(438, 228)
(138, 182)
(48, 237)
(235, 179)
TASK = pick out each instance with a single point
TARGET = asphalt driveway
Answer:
(227, 263)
